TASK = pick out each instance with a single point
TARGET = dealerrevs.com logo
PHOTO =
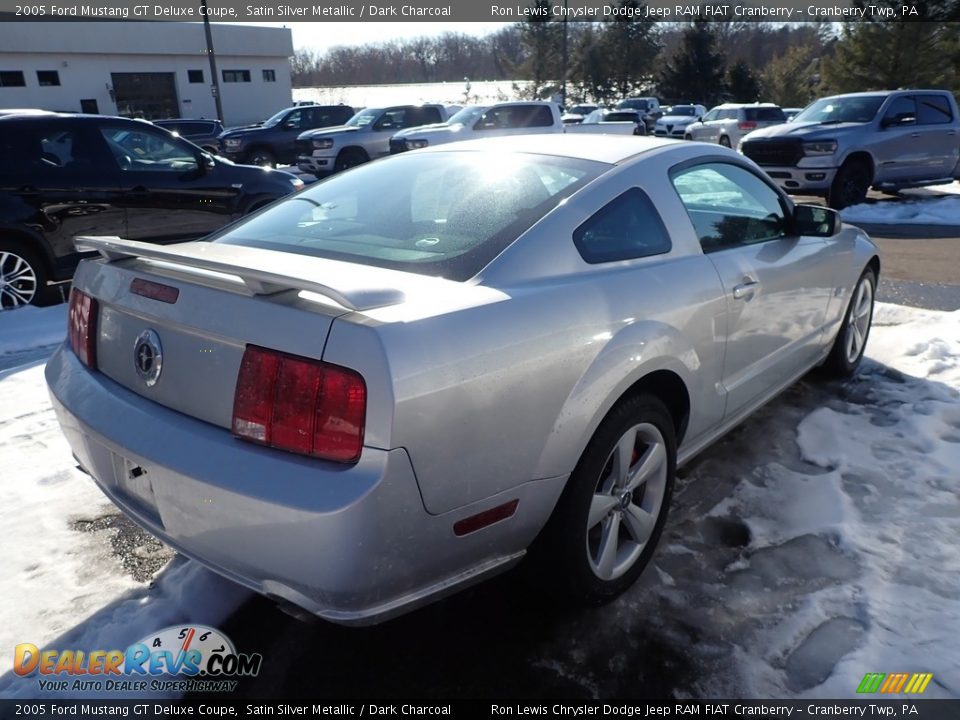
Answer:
(181, 658)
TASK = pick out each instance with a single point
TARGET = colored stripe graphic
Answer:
(911, 683)
(871, 682)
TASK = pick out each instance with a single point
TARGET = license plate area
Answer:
(136, 483)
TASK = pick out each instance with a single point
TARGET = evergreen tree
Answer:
(631, 46)
(790, 79)
(542, 39)
(885, 55)
(695, 72)
(742, 84)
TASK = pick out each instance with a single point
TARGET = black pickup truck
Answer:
(273, 142)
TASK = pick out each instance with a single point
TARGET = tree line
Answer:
(708, 62)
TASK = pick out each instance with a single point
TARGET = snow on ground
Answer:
(815, 544)
(62, 585)
(924, 210)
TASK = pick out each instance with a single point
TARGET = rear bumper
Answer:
(352, 544)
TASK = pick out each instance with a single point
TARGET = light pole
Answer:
(563, 64)
(215, 87)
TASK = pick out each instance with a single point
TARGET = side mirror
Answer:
(206, 162)
(290, 125)
(815, 221)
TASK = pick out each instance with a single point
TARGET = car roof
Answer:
(64, 117)
(609, 149)
(729, 106)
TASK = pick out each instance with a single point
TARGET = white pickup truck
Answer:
(508, 118)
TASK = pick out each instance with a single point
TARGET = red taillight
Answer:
(301, 405)
(82, 327)
(747, 125)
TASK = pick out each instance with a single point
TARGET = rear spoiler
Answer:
(355, 290)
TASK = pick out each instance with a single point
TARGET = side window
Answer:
(494, 118)
(539, 116)
(729, 206)
(902, 111)
(47, 153)
(933, 110)
(712, 115)
(135, 149)
(625, 228)
(293, 121)
(391, 120)
(431, 115)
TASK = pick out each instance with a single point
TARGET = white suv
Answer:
(726, 124)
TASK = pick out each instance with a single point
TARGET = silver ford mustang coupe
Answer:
(408, 377)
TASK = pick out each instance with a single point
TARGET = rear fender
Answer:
(633, 353)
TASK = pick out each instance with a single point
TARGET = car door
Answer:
(778, 285)
(505, 120)
(702, 130)
(936, 125)
(900, 151)
(59, 182)
(169, 195)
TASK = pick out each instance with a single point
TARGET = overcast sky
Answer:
(321, 36)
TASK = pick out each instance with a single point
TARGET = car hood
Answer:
(327, 131)
(803, 130)
(241, 131)
(677, 119)
(438, 129)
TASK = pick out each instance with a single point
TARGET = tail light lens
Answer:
(301, 405)
(747, 125)
(82, 327)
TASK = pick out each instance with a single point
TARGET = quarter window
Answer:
(729, 206)
(627, 227)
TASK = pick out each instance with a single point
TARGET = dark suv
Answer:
(274, 141)
(204, 133)
(68, 175)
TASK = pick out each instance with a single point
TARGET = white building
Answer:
(151, 70)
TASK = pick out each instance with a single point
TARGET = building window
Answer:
(236, 76)
(48, 78)
(195, 76)
(12, 78)
(269, 75)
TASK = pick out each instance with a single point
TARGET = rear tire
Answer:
(851, 340)
(606, 525)
(23, 277)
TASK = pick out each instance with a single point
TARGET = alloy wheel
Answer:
(18, 281)
(858, 325)
(627, 501)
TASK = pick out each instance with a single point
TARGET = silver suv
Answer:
(726, 124)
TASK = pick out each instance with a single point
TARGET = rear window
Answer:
(446, 214)
(765, 114)
(934, 110)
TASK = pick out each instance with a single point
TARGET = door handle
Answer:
(745, 290)
(916, 134)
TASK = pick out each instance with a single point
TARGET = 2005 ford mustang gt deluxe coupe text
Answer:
(409, 376)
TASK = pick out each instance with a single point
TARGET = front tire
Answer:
(851, 340)
(351, 157)
(850, 185)
(23, 277)
(725, 141)
(261, 157)
(606, 525)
